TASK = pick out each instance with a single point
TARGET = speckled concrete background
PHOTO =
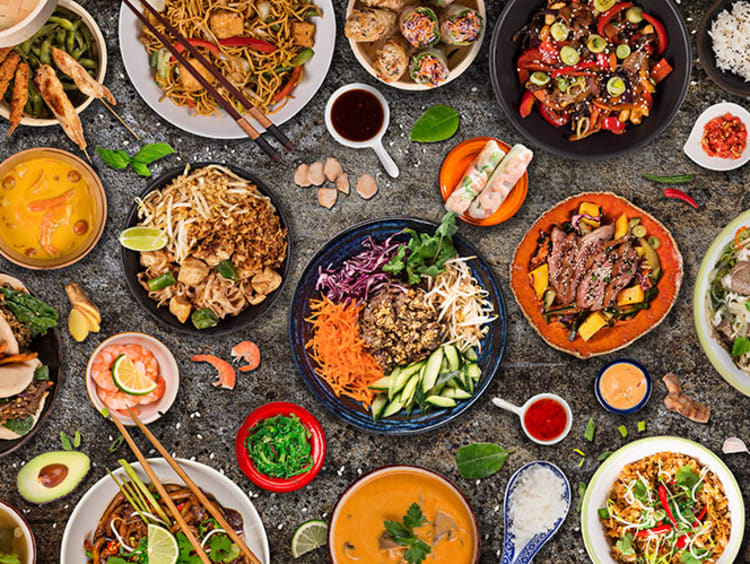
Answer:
(529, 366)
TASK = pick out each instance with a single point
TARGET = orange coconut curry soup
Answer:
(46, 208)
(359, 534)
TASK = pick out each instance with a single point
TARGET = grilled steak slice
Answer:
(623, 271)
(590, 245)
(607, 272)
(739, 278)
(555, 257)
(561, 264)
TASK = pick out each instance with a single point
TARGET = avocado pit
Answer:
(52, 475)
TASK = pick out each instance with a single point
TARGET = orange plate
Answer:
(453, 170)
(622, 333)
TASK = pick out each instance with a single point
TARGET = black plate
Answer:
(727, 80)
(131, 265)
(49, 349)
(667, 100)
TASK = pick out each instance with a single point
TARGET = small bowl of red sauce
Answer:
(623, 387)
(545, 418)
(718, 140)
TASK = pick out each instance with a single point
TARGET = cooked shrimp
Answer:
(227, 375)
(101, 369)
(20, 96)
(249, 352)
(117, 400)
(84, 81)
(156, 395)
(51, 89)
(143, 359)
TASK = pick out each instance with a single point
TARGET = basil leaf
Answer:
(152, 152)
(438, 123)
(741, 346)
(140, 168)
(480, 460)
(20, 426)
(114, 159)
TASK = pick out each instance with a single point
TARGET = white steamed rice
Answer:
(730, 33)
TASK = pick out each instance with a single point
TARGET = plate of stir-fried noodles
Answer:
(104, 519)
(663, 500)
(277, 52)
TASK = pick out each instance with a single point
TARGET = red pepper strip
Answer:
(660, 530)
(605, 18)
(256, 44)
(602, 61)
(548, 52)
(531, 60)
(571, 69)
(197, 43)
(614, 125)
(700, 517)
(296, 74)
(737, 237)
(180, 506)
(662, 40)
(648, 98)
(552, 117)
(680, 195)
(661, 70)
(527, 103)
(523, 76)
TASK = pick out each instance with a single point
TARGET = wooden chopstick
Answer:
(212, 509)
(233, 90)
(162, 492)
(223, 102)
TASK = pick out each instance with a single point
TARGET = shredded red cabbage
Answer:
(361, 275)
(576, 220)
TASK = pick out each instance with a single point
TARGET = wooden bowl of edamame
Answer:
(74, 30)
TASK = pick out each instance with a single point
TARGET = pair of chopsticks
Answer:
(212, 509)
(231, 88)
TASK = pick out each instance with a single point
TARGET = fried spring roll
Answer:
(506, 175)
(475, 178)
(394, 5)
(370, 24)
(392, 59)
(20, 96)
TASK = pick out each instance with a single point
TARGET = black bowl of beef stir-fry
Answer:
(590, 79)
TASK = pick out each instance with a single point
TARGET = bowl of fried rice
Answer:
(663, 500)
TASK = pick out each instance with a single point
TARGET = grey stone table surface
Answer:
(203, 421)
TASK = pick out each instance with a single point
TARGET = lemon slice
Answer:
(143, 239)
(130, 379)
(309, 536)
(162, 546)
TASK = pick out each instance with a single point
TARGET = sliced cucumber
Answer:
(471, 355)
(413, 368)
(401, 380)
(474, 372)
(382, 385)
(392, 391)
(393, 407)
(432, 370)
(407, 394)
(453, 357)
(440, 401)
(455, 393)
(444, 366)
(378, 406)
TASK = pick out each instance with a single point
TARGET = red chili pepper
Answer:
(607, 16)
(549, 52)
(661, 70)
(614, 125)
(296, 74)
(700, 516)
(552, 117)
(112, 547)
(197, 43)
(527, 103)
(660, 530)
(573, 70)
(662, 40)
(662, 490)
(680, 195)
(737, 240)
(256, 44)
(180, 506)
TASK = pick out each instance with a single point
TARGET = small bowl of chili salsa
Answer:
(718, 140)
(546, 419)
(280, 447)
(623, 386)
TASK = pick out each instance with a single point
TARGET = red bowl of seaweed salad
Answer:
(275, 429)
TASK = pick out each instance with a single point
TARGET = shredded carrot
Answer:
(339, 352)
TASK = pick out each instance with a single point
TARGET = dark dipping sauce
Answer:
(545, 419)
(357, 115)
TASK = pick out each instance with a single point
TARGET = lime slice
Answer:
(308, 536)
(162, 546)
(143, 239)
(130, 379)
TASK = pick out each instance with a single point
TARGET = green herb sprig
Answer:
(118, 159)
(67, 443)
(403, 534)
(438, 123)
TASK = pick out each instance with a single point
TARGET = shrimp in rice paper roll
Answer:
(475, 178)
(429, 67)
(460, 25)
(392, 59)
(420, 26)
(501, 183)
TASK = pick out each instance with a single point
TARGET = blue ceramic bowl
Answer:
(639, 405)
(341, 247)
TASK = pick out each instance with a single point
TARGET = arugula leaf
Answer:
(65, 440)
(152, 152)
(417, 552)
(42, 373)
(625, 545)
(590, 430)
(20, 426)
(740, 346)
(438, 123)
(9, 559)
(114, 158)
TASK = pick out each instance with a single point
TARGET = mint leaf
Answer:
(414, 517)
(114, 159)
(152, 152)
(438, 123)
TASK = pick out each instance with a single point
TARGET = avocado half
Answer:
(52, 475)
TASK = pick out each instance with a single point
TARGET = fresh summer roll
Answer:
(475, 178)
(392, 59)
(460, 25)
(502, 181)
(395, 5)
(420, 26)
(370, 24)
(429, 67)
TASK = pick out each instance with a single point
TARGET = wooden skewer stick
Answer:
(122, 121)
(212, 509)
(162, 492)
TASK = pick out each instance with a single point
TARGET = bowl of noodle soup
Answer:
(258, 247)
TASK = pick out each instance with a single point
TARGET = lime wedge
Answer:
(309, 536)
(143, 239)
(162, 546)
(130, 379)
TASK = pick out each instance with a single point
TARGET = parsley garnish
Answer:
(403, 534)
(222, 549)
(686, 477)
(625, 545)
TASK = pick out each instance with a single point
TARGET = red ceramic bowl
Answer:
(317, 442)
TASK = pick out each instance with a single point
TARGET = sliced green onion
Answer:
(603, 513)
(539, 78)
(634, 15)
(590, 430)
(639, 231)
(622, 51)
(641, 426)
(654, 242)
(623, 431)
(615, 86)
(559, 31)
(584, 121)
(562, 84)
(603, 5)
(569, 56)
(596, 43)
(161, 282)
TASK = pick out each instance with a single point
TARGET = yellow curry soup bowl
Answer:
(52, 208)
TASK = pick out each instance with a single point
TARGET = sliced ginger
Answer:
(84, 316)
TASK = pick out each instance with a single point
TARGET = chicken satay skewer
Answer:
(53, 94)
(7, 70)
(122, 121)
(20, 96)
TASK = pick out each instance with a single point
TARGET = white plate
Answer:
(85, 516)
(693, 147)
(168, 370)
(718, 355)
(139, 71)
(598, 491)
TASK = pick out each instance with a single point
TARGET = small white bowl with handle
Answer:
(521, 412)
(376, 141)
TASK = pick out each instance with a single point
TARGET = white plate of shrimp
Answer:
(150, 356)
